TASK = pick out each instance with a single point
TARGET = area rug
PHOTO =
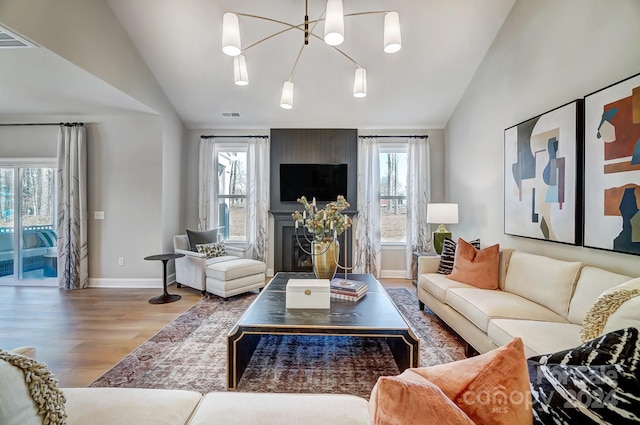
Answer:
(190, 354)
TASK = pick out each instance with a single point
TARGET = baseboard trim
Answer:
(130, 282)
(270, 272)
(393, 274)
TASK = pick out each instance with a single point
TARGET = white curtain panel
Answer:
(369, 248)
(73, 264)
(258, 198)
(207, 185)
(418, 196)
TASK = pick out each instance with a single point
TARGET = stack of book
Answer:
(349, 290)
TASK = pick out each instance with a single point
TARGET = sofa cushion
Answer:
(538, 337)
(230, 408)
(109, 406)
(477, 267)
(30, 394)
(492, 388)
(438, 284)
(544, 280)
(448, 256)
(203, 237)
(591, 283)
(480, 306)
(234, 269)
(615, 308)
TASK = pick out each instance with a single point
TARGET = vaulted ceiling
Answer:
(443, 43)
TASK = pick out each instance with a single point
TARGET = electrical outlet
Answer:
(121, 261)
(98, 215)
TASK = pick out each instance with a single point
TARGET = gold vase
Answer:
(325, 258)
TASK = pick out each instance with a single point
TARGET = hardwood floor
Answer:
(82, 334)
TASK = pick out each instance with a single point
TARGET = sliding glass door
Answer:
(28, 252)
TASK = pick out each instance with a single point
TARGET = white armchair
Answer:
(190, 269)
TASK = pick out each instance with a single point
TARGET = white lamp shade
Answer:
(334, 23)
(392, 36)
(442, 213)
(240, 74)
(360, 83)
(231, 34)
(286, 101)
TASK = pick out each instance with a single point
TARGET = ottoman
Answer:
(234, 277)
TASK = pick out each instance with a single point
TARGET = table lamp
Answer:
(441, 214)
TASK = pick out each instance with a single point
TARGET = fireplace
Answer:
(301, 261)
(288, 257)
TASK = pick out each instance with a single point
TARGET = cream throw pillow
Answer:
(616, 308)
(36, 402)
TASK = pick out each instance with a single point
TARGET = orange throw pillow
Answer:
(477, 267)
(489, 389)
(410, 399)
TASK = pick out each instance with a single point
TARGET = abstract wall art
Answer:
(542, 164)
(612, 167)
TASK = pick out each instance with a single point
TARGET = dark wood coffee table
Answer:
(374, 316)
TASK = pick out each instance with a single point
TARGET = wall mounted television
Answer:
(322, 181)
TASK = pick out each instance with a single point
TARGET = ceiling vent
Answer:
(231, 114)
(9, 40)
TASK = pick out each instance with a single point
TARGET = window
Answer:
(232, 193)
(393, 192)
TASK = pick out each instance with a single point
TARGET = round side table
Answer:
(165, 297)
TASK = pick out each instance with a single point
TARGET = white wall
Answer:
(29, 142)
(548, 53)
(135, 159)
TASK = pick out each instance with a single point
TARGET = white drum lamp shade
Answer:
(441, 214)
(360, 83)
(240, 74)
(286, 100)
(231, 34)
(334, 23)
(392, 36)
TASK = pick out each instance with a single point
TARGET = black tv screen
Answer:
(322, 181)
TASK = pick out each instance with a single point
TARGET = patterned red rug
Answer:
(190, 353)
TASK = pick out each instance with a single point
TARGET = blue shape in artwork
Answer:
(525, 166)
(635, 158)
(534, 215)
(552, 194)
(628, 209)
(549, 172)
(606, 116)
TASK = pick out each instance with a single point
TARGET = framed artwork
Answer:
(542, 162)
(612, 168)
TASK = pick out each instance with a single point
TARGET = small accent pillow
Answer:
(608, 313)
(477, 267)
(204, 237)
(211, 250)
(492, 388)
(30, 393)
(596, 382)
(449, 254)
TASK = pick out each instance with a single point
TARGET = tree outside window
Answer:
(232, 195)
(393, 193)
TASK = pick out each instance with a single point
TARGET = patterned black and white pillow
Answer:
(449, 254)
(211, 250)
(597, 382)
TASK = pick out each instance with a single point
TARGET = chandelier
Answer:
(333, 18)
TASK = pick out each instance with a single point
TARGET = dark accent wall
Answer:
(313, 146)
(309, 146)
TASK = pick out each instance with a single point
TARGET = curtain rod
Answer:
(423, 136)
(233, 137)
(41, 124)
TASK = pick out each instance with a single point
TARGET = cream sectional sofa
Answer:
(129, 406)
(540, 299)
